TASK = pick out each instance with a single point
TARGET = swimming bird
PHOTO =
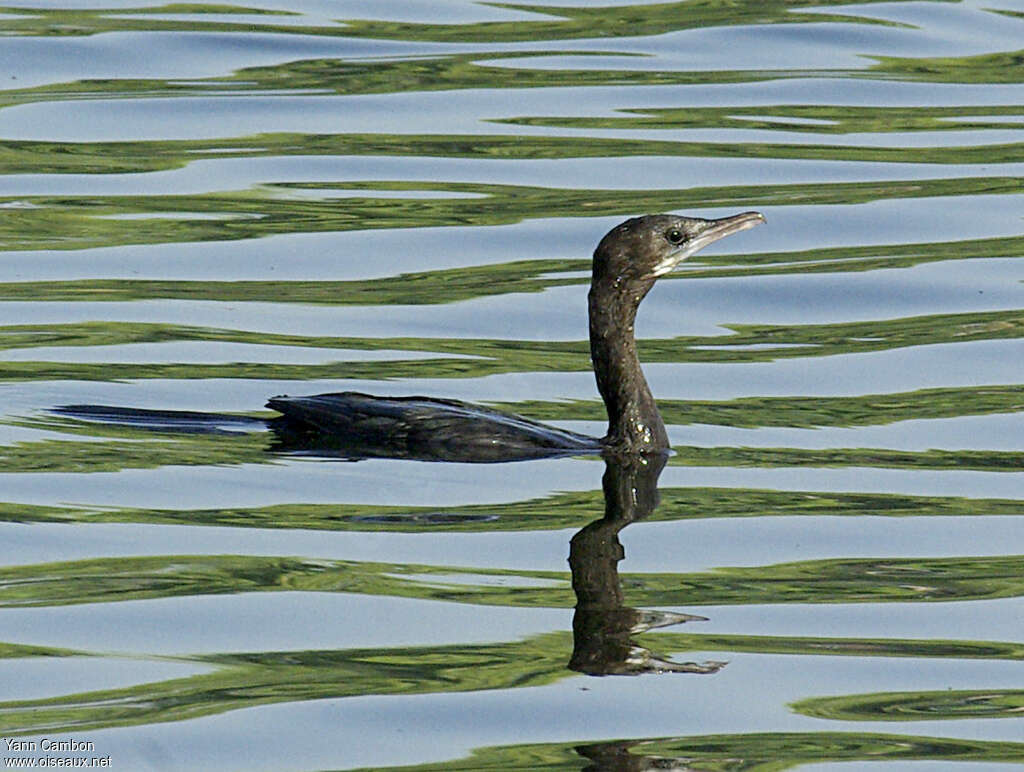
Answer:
(626, 264)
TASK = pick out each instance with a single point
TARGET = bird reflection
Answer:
(618, 756)
(602, 625)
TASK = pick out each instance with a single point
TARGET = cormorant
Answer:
(627, 262)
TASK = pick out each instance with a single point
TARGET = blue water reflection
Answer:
(202, 207)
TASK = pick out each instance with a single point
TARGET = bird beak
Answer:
(704, 232)
(713, 230)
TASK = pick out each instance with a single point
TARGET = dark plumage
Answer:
(627, 262)
(364, 426)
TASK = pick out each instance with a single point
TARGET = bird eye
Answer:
(675, 236)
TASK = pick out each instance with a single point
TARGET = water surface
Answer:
(205, 206)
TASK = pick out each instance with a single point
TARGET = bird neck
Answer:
(634, 423)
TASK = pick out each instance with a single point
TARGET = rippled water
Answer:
(205, 206)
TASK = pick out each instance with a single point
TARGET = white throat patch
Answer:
(677, 256)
